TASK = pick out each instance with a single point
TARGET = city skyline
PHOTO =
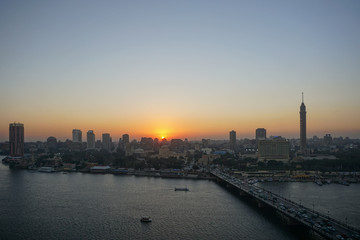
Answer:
(164, 134)
(99, 136)
(179, 69)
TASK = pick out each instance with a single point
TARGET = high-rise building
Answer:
(76, 136)
(106, 141)
(16, 139)
(260, 134)
(303, 126)
(232, 140)
(147, 143)
(90, 139)
(126, 139)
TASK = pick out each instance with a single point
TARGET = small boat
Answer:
(46, 169)
(145, 219)
(182, 189)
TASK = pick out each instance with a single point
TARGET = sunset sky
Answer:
(180, 69)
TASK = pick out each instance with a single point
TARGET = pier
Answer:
(292, 213)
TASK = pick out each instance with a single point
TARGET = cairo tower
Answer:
(303, 126)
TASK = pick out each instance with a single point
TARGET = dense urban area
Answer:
(274, 158)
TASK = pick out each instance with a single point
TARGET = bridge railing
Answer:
(346, 226)
(340, 223)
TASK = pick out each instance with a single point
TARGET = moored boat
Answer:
(318, 182)
(46, 169)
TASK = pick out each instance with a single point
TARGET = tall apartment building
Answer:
(106, 141)
(90, 139)
(260, 134)
(126, 139)
(232, 139)
(76, 136)
(16, 139)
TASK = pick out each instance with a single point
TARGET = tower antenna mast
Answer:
(302, 96)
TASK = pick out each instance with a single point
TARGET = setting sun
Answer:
(162, 137)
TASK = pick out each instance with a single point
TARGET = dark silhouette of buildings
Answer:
(90, 136)
(16, 139)
(177, 145)
(51, 144)
(147, 143)
(328, 139)
(303, 126)
(260, 134)
(126, 138)
(106, 141)
(76, 136)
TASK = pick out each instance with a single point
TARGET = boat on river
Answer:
(146, 219)
(182, 189)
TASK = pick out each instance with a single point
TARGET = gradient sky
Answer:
(194, 69)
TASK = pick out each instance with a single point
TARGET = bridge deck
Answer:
(324, 225)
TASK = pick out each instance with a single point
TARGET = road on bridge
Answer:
(323, 225)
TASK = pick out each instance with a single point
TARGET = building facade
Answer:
(274, 149)
(16, 139)
(76, 136)
(302, 127)
(232, 136)
(126, 138)
(260, 134)
(106, 141)
(90, 139)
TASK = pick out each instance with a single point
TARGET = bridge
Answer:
(290, 212)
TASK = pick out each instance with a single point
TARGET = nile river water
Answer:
(36, 205)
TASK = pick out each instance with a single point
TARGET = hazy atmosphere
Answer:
(179, 69)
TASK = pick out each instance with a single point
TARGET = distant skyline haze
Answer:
(179, 69)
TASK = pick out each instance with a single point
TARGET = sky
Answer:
(180, 69)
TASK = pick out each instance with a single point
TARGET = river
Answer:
(36, 205)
